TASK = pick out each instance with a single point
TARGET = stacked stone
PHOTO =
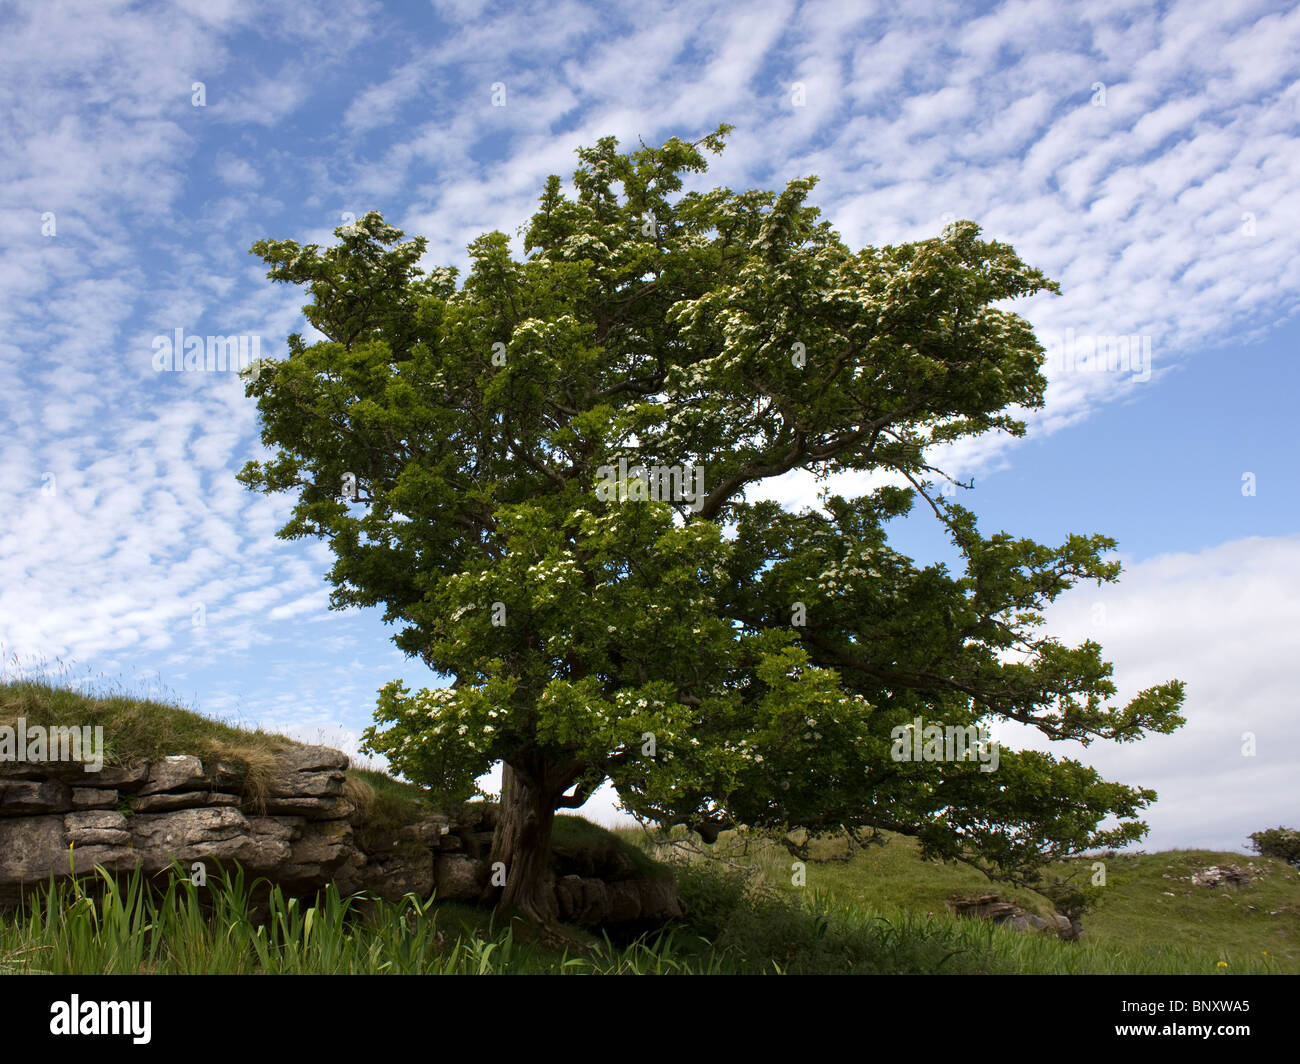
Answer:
(145, 813)
(302, 832)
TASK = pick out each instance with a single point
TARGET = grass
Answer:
(575, 835)
(1149, 901)
(1135, 929)
(136, 727)
(128, 927)
(112, 927)
(882, 910)
(385, 806)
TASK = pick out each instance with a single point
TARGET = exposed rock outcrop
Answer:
(991, 907)
(1231, 876)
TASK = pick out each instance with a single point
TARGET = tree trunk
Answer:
(522, 844)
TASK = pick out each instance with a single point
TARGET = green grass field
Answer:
(1149, 917)
(881, 911)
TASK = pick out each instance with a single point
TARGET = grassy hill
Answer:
(881, 910)
(1150, 917)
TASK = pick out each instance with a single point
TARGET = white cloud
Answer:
(1223, 620)
(238, 173)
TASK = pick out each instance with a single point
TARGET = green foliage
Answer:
(448, 440)
(1282, 843)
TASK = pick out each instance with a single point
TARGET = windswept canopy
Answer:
(721, 660)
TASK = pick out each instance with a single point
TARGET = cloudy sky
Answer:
(1145, 156)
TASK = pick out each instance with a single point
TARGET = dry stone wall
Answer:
(301, 831)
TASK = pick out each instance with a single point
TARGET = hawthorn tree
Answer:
(721, 659)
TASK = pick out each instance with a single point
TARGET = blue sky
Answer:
(1144, 156)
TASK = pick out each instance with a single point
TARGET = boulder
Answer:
(1230, 877)
(991, 907)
